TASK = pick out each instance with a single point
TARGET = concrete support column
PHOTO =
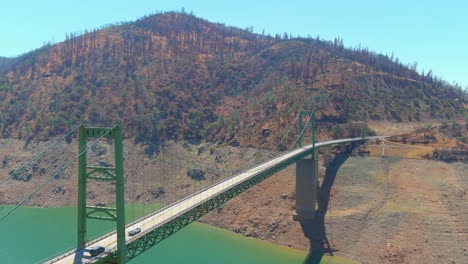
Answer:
(306, 189)
(326, 157)
(306, 203)
(342, 148)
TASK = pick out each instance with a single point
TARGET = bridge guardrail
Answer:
(305, 148)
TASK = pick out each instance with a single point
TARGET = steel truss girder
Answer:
(154, 237)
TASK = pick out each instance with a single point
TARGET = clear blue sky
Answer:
(432, 33)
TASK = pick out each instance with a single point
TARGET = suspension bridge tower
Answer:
(113, 174)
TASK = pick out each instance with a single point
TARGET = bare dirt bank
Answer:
(381, 211)
(388, 210)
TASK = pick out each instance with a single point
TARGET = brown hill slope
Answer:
(5, 62)
(175, 76)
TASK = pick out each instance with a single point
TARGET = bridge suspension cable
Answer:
(42, 152)
(160, 160)
(287, 132)
(36, 173)
(272, 153)
(300, 134)
(183, 159)
(171, 166)
(55, 174)
(269, 154)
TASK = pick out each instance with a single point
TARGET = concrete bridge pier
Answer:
(306, 188)
(312, 198)
(306, 203)
(342, 148)
(326, 156)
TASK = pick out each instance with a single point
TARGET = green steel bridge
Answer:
(158, 225)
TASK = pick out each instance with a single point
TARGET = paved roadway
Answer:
(158, 218)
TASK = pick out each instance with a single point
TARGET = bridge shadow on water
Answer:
(315, 229)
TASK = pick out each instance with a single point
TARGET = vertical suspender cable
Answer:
(56, 173)
(40, 154)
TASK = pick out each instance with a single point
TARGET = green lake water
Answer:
(33, 234)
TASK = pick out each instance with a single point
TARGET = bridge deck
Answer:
(158, 218)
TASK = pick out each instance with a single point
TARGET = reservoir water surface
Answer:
(32, 235)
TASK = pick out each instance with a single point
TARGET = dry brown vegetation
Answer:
(392, 210)
(175, 76)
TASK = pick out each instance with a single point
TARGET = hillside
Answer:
(5, 62)
(176, 76)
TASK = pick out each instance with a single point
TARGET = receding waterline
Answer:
(32, 234)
